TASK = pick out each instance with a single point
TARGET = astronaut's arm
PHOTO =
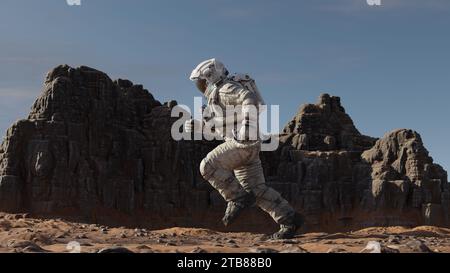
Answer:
(250, 111)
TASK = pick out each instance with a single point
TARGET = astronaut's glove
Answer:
(193, 126)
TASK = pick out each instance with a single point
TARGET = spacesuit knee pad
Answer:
(211, 172)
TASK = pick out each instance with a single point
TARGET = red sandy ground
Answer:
(18, 233)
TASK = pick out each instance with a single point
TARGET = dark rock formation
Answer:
(101, 151)
(404, 176)
(325, 127)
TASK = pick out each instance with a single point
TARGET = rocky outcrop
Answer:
(101, 151)
(325, 127)
(341, 178)
(404, 176)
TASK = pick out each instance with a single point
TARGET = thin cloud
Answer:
(23, 60)
(349, 6)
(242, 11)
(236, 13)
(17, 93)
(357, 6)
(437, 5)
(14, 105)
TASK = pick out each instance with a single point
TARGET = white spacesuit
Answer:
(234, 168)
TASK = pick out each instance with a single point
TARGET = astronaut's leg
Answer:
(252, 179)
(222, 180)
(217, 169)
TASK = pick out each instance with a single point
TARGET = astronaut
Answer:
(234, 168)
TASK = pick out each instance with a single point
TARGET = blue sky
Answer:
(390, 64)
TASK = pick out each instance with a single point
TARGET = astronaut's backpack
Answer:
(248, 83)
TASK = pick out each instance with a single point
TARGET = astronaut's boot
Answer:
(289, 227)
(235, 208)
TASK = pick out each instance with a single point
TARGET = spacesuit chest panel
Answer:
(230, 94)
(219, 99)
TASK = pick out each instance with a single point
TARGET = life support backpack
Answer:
(248, 83)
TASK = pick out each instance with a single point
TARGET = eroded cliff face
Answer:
(325, 126)
(405, 177)
(100, 150)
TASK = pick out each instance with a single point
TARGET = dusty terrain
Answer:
(19, 233)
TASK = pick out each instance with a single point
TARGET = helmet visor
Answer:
(201, 85)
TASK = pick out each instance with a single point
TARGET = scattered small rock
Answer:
(143, 251)
(81, 236)
(61, 236)
(418, 246)
(393, 239)
(377, 247)
(263, 250)
(20, 216)
(141, 247)
(294, 249)
(115, 249)
(34, 249)
(337, 250)
(199, 250)
(19, 244)
(16, 216)
(26, 246)
(231, 241)
(289, 242)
